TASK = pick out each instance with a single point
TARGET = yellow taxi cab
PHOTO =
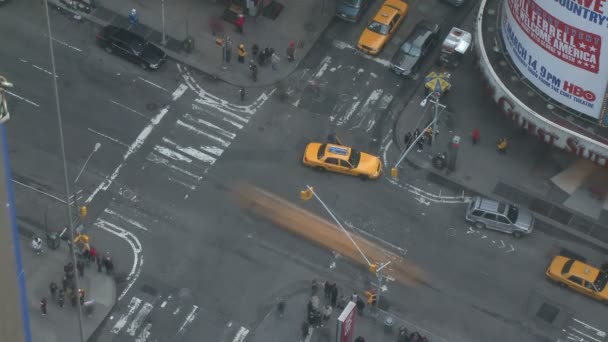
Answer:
(342, 159)
(382, 27)
(580, 277)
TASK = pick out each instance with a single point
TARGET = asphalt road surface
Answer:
(192, 262)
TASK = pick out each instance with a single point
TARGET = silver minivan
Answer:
(491, 214)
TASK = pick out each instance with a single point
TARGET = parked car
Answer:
(579, 276)
(131, 46)
(418, 44)
(382, 27)
(491, 214)
(342, 159)
(351, 10)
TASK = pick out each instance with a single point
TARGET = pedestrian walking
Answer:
(92, 254)
(334, 295)
(475, 136)
(355, 296)
(254, 70)
(242, 53)
(281, 308)
(304, 328)
(309, 308)
(360, 305)
(327, 310)
(420, 143)
(254, 50)
(428, 135)
(242, 94)
(53, 288)
(99, 263)
(291, 51)
(228, 49)
(407, 140)
(61, 298)
(327, 290)
(43, 306)
(133, 17)
(341, 303)
(314, 286)
(274, 61)
(502, 145)
(240, 22)
(64, 283)
(81, 296)
(80, 267)
(73, 297)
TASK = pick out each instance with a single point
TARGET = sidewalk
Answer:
(523, 175)
(299, 21)
(61, 324)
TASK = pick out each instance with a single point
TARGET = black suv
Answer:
(420, 41)
(131, 46)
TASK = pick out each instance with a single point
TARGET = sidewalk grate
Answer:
(561, 215)
(547, 313)
(541, 207)
(512, 194)
(581, 224)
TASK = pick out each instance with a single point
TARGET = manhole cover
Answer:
(151, 106)
(547, 312)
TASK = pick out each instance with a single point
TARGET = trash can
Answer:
(53, 240)
(388, 324)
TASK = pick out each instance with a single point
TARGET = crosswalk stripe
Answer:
(192, 152)
(230, 114)
(191, 316)
(241, 334)
(220, 130)
(122, 321)
(152, 157)
(373, 97)
(144, 334)
(196, 130)
(171, 154)
(139, 318)
(218, 116)
(216, 151)
(348, 114)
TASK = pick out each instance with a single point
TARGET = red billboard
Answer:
(346, 324)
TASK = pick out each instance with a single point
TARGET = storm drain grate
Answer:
(547, 313)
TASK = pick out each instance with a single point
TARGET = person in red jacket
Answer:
(240, 21)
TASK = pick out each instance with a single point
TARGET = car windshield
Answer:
(378, 28)
(601, 280)
(410, 49)
(352, 3)
(354, 158)
(321, 151)
(567, 266)
(513, 213)
(138, 46)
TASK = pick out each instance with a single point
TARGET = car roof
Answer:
(385, 14)
(337, 151)
(122, 34)
(582, 270)
(488, 204)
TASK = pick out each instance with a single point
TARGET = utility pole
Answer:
(162, 5)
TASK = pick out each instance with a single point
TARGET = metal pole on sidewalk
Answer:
(65, 167)
(162, 5)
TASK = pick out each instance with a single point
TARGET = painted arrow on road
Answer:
(511, 249)
(503, 244)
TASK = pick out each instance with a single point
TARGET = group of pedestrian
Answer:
(410, 138)
(318, 314)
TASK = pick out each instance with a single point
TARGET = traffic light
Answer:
(372, 297)
(307, 194)
(373, 268)
(394, 172)
(83, 212)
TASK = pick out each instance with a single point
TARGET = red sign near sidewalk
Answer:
(346, 324)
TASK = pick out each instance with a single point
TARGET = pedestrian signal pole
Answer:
(4, 114)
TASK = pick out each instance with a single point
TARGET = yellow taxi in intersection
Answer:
(580, 277)
(382, 27)
(342, 159)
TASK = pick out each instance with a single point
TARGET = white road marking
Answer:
(221, 141)
(324, 64)
(136, 145)
(22, 98)
(128, 108)
(348, 114)
(156, 85)
(162, 161)
(23, 60)
(179, 91)
(191, 316)
(207, 102)
(582, 333)
(216, 151)
(342, 46)
(189, 186)
(163, 304)
(429, 196)
(126, 219)
(122, 321)
(144, 334)
(192, 152)
(176, 311)
(139, 318)
(382, 105)
(171, 154)
(220, 130)
(133, 241)
(221, 117)
(600, 333)
(40, 191)
(108, 137)
(373, 97)
(241, 334)
(67, 45)
(44, 70)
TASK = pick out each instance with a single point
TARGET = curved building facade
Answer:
(545, 63)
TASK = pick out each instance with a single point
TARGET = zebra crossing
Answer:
(354, 98)
(198, 139)
(170, 318)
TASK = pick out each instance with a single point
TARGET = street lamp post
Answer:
(373, 267)
(162, 6)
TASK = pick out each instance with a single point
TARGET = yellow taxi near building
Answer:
(342, 159)
(580, 277)
(382, 27)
